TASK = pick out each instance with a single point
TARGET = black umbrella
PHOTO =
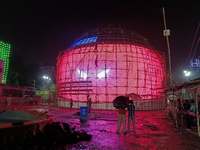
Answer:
(121, 102)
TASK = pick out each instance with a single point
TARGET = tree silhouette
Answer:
(20, 73)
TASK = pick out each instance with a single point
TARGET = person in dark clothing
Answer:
(179, 104)
(71, 104)
(131, 116)
(187, 116)
(192, 109)
(89, 103)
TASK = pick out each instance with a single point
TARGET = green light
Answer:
(4, 55)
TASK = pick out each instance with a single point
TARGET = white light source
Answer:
(187, 73)
(46, 77)
(82, 74)
(103, 73)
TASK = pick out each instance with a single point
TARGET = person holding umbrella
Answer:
(121, 103)
(121, 118)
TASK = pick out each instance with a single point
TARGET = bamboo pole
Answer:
(197, 112)
(182, 110)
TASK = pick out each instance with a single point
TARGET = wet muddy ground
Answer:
(154, 132)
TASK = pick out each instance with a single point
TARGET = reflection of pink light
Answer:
(132, 69)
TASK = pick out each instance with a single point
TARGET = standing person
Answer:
(179, 107)
(71, 104)
(89, 103)
(192, 109)
(187, 116)
(131, 115)
(121, 118)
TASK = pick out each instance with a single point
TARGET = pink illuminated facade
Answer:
(108, 62)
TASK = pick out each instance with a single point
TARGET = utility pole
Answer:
(166, 32)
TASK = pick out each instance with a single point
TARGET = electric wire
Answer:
(189, 56)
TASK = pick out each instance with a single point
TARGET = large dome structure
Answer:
(107, 62)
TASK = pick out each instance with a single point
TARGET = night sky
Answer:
(39, 29)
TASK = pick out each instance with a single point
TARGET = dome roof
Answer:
(111, 35)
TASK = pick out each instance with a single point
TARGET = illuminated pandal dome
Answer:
(110, 61)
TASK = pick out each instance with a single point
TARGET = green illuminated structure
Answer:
(4, 55)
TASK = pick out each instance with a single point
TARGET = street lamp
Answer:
(46, 78)
(47, 81)
(46, 87)
(187, 74)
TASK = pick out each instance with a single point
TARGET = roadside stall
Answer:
(177, 95)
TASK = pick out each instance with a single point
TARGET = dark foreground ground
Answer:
(154, 132)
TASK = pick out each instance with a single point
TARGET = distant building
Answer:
(48, 70)
(195, 67)
(4, 56)
(195, 64)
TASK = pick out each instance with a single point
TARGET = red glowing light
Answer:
(110, 70)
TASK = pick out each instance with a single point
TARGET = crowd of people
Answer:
(185, 108)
